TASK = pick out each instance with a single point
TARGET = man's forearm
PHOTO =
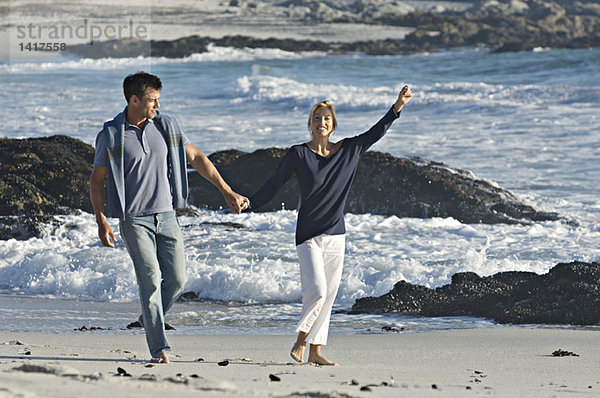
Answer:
(97, 199)
(97, 181)
(207, 169)
(105, 232)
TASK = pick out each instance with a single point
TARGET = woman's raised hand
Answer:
(404, 96)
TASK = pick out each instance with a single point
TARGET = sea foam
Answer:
(257, 263)
(213, 54)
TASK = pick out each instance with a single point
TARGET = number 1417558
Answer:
(42, 46)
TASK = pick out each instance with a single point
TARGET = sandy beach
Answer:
(501, 362)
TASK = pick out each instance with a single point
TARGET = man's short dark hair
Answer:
(137, 83)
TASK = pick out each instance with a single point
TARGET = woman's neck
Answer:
(320, 145)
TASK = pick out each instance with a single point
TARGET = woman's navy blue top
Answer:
(324, 181)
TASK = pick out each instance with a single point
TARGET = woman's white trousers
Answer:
(321, 262)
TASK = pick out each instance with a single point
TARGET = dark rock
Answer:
(138, 324)
(187, 46)
(43, 177)
(563, 353)
(168, 327)
(273, 377)
(223, 363)
(187, 296)
(40, 178)
(392, 329)
(93, 328)
(568, 294)
(384, 184)
(24, 227)
(134, 325)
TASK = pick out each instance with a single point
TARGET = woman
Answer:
(325, 171)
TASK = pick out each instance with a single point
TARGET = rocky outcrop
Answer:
(39, 178)
(187, 46)
(511, 25)
(501, 25)
(505, 25)
(384, 184)
(42, 177)
(568, 294)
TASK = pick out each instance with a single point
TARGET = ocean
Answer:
(527, 121)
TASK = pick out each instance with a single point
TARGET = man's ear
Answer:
(134, 100)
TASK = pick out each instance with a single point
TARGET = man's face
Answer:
(147, 105)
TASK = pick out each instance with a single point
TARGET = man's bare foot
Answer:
(297, 352)
(161, 358)
(321, 360)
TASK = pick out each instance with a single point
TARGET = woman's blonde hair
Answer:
(323, 104)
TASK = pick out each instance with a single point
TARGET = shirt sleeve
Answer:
(365, 140)
(186, 140)
(270, 188)
(101, 155)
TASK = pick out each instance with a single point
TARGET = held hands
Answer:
(245, 204)
(236, 202)
(404, 97)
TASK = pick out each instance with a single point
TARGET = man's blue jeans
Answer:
(155, 245)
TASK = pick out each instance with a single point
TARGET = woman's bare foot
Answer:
(315, 356)
(297, 352)
(321, 360)
(161, 358)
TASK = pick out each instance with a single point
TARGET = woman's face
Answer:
(322, 122)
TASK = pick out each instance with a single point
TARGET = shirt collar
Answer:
(129, 126)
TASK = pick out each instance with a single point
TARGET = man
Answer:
(142, 157)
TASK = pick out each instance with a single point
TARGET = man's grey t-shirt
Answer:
(147, 188)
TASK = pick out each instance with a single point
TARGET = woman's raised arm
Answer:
(403, 97)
